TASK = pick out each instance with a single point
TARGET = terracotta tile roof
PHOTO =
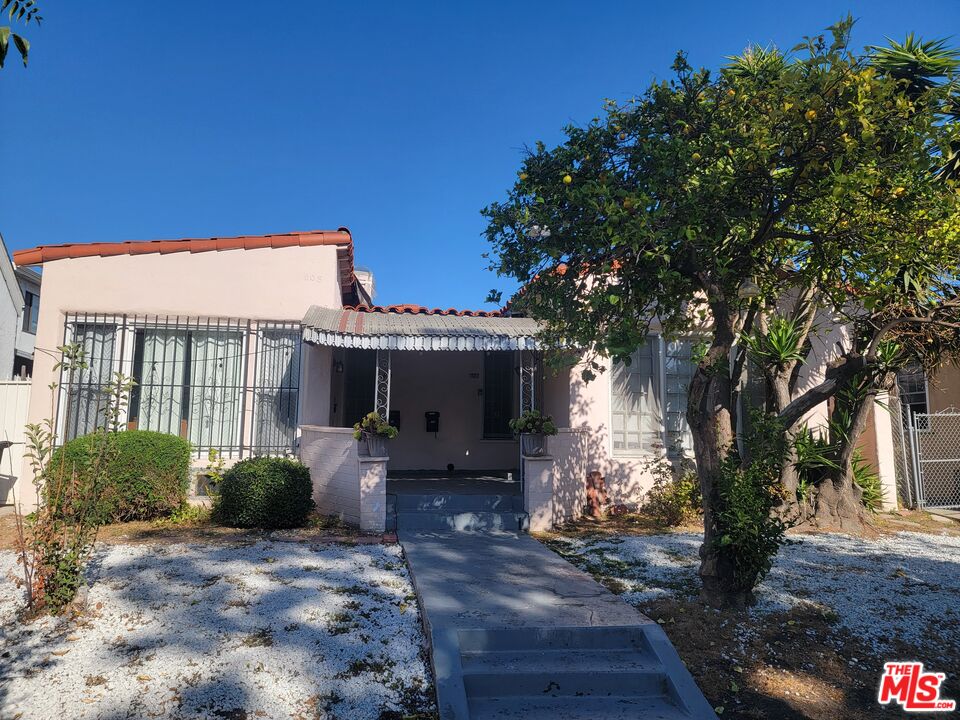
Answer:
(340, 238)
(420, 310)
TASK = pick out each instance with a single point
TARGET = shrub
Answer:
(868, 481)
(147, 476)
(750, 531)
(264, 492)
(675, 496)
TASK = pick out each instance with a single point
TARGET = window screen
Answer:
(636, 416)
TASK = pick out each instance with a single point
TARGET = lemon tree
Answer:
(758, 205)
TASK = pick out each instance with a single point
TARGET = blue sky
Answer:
(149, 120)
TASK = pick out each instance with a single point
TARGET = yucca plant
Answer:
(781, 343)
(917, 62)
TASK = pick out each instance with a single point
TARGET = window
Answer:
(912, 385)
(648, 403)
(85, 397)
(498, 375)
(277, 393)
(189, 383)
(31, 312)
(228, 384)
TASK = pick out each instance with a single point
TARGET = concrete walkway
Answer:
(516, 631)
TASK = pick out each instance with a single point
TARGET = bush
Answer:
(675, 496)
(147, 475)
(265, 492)
(750, 531)
(868, 481)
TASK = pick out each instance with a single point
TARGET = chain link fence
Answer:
(927, 453)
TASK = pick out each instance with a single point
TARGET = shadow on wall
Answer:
(627, 479)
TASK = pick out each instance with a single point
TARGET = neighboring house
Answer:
(272, 344)
(19, 312)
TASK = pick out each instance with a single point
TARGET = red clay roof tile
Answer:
(420, 310)
(340, 238)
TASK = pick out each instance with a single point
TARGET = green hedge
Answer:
(148, 475)
(264, 492)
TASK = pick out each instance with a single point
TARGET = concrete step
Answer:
(413, 520)
(433, 502)
(577, 683)
(586, 708)
(517, 661)
(554, 638)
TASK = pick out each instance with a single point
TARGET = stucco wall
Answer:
(568, 448)
(628, 478)
(331, 455)
(450, 383)
(943, 389)
(266, 283)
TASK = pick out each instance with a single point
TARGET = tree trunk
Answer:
(710, 414)
(837, 502)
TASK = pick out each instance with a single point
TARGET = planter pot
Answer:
(533, 445)
(376, 446)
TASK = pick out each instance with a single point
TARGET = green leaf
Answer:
(23, 46)
(614, 299)
(4, 43)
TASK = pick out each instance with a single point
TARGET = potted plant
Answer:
(374, 430)
(533, 427)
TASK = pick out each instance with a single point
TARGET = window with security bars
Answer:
(191, 379)
(912, 387)
(276, 399)
(648, 399)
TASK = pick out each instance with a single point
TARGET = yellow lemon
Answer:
(696, 157)
(810, 114)
(523, 176)
(731, 92)
(567, 179)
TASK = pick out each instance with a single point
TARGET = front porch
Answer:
(450, 384)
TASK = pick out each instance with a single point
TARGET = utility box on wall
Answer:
(432, 418)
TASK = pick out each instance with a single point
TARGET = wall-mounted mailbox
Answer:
(433, 421)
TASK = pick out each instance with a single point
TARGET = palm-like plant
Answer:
(921, 64)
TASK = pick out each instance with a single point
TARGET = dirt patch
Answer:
(802, 663)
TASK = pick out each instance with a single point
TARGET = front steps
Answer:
(443, 512)
(569, 673)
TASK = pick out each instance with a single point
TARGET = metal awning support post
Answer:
(528, 380)
(381, 391)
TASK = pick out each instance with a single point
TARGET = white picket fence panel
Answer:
(14, 402)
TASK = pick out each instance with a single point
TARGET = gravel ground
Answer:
(262, 630)
(904, 586)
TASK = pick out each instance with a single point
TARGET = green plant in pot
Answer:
(374, 430)
(533, 427)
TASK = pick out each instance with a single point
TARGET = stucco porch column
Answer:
(373, 494)
(886, 462)
(538, 476)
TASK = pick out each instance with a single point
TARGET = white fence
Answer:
(14, 401)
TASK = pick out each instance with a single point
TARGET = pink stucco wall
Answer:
(450, 383)
(266, 283)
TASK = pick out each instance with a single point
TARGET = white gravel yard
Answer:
(261, 630)
(904, 586)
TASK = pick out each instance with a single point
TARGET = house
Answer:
(274, 345)
(19, 312)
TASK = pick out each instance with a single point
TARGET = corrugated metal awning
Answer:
(349, 328)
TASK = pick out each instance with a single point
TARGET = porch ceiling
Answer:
(349, 328)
